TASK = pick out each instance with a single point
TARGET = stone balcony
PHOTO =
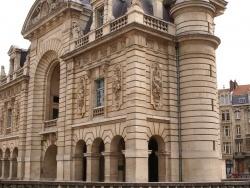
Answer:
(134, 15)
(24, 71)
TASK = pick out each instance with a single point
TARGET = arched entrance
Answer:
(118, 163)
(50, 163)
(153, 161)
(98, 159)
(14, 163)
(80, 161)
(7, 163)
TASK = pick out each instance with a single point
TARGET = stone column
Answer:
(111, 166)
(11, 67)
(78, 167)
(13, 168)
(92, 166)
(6, 167)
(163, 166)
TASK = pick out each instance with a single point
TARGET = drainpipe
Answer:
(177, 50)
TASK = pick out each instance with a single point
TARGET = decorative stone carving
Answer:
(156, 86)
(17, 115)
(136, 2)
(81, 96)
(2, 117)
(43, 9)
(76, 31)
(117, 87)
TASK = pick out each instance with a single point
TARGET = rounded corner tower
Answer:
(200, 133)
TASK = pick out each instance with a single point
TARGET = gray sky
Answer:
(233, 28)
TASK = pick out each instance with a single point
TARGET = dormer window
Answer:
(242, 100)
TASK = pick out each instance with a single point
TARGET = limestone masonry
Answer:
(113, 90)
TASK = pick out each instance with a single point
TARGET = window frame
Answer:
(99, 100)
(238, 130)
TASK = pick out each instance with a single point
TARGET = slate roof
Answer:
(241, 90)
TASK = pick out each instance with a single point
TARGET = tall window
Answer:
(237, 114)
(227, 147)
(100, 93)
(9, 120)
(100, 17)
(226, 131)
(238, 132)
(222, 99)
(238, 147)
(225, 115)
(226, 99)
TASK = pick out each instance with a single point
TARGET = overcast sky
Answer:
(233, 28)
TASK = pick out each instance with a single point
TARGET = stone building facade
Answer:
(113, 90)
(235, 127)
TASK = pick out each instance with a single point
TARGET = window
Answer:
(226, 131)
(222, 99)
(9, 120)
(238, 147)
(226, 99)
(55, 113)
(100, 93)
(238, 130)
(225, 115)
(55, 99)
(242, 100)
(100, 17)
(227, 147)
(237, 114)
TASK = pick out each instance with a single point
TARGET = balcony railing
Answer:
(50, 123)
(99, 111)
(45, 184)
(109, 27)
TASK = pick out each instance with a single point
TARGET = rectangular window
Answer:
(212, 103)
(227, 147)
(226, 131)
(237, 114)
(55, 99)
(100, 93)
(238, 147)
(242, 100)
(100, 17)
(223, 116)
(211, 71)
(238, 132)
(55, 113)
(227, 115)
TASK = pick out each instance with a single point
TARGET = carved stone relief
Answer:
(43, 9)
(156, 86)
(2, 117)
(136, 2)
(117, 87)
(81, 92)
(76, 31)
(17, 115)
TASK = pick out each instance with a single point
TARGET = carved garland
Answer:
(156, 86)
(81, 96)
(17, 115)
(2, 118)
(117, 87)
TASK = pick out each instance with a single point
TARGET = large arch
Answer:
(50, 163)
(156, 163)
(80, 161)
(6, 164)
(118, 163)
(14, 163)
(97, 160)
